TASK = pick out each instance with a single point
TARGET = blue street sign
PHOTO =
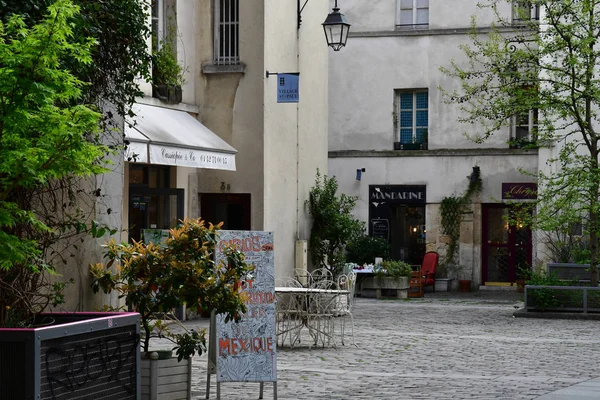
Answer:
(287, 88)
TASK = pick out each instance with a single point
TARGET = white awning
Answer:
(164, 136)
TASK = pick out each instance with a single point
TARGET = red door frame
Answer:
(512, 244)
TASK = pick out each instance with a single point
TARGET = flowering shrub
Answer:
(154, 279)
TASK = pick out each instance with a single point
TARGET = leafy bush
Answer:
(364, 250)
(333, 224)
(166, 69)
(547, 298)
(394, 269)
(153, 279)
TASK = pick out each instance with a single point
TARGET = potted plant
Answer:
(443, 283)
(154, 279)
(167, 74)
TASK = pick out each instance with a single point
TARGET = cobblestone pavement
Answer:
(444, 346)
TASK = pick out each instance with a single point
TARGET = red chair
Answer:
(428, 267)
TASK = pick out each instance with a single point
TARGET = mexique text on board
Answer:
(233, 346)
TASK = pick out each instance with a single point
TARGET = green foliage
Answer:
(46, 141)
(154, 279)
(166, 70)
(394, 269)
(333, 224)
(120, 54)
(364, 249)
(511, 71)
(547, 298)
(563, 247)
(451, 210)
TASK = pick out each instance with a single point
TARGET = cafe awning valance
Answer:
(163, 136)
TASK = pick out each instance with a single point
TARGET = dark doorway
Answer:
(397, 214)
(153, 205)
(233, 209)
(407, 233)
(506, 244)
(154, 209)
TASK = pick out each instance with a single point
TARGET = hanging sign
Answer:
(246, 350)
(519, 191)
(287, 87)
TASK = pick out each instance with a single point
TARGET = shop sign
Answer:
(519, 191)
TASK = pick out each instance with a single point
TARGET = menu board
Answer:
(246, 350)
(380, 228)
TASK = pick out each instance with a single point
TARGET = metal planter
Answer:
(74, 355)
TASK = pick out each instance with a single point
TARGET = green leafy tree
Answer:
(46, 135)
(333, 224)
(550, 66)
(120, 54)
(153, 279)
(364, 249)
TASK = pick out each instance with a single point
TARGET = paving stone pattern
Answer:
(444, 346)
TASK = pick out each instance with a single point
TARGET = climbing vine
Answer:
(451, 209)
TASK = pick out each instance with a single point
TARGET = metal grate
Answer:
(100, 365)
(227, 32)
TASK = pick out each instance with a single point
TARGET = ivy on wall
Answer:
(451, 210)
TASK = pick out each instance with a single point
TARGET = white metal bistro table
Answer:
(313, 308)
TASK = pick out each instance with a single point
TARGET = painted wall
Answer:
(279, 145)
(295, 134)
(231, 105)
(363, 78)
(380, 15)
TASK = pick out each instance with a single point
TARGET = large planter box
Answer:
(570, 271)
(582, 299)
(384, 285)
(443, 284)
(166, 379)
(75, 355)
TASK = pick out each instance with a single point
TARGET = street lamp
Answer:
(336, 29)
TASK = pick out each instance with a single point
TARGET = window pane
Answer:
(406, 119)
(422, 16)
(523, 119)
(406, 136)
(406, 101)
(421, 100)
(406, 17)
(521, 132)
(422, 118)
(422, 3)
(406, 4)
(421, 135)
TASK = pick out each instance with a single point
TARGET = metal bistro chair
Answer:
(290, 313)
(345, 302)
(318, 275)
(321, 311)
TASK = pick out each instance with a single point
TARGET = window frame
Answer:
(416, 144)
(518, 5)
(230, 26)
(415, 7)
(533, 120)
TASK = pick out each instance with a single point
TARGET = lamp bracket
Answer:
(300, 12)
(267, 74)
(300, 9)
